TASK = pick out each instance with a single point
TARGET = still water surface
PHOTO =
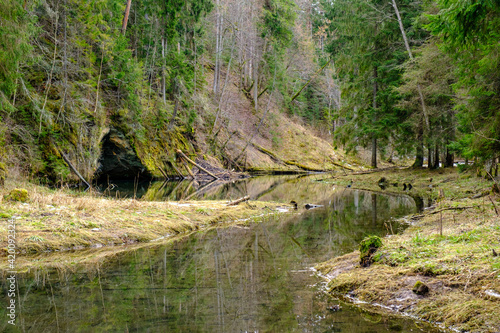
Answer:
(251, 277)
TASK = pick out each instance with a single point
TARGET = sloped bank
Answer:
(452, 249)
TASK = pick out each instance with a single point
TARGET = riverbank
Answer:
(451, 247)
(60, 220)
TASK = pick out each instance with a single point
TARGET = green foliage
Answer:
(3, 173)
(367, 247)
(18, 194)
(469, 33)
(434, 73)
(367, 46)
(278, 21)
(16, 29)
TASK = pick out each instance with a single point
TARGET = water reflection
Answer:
(246, 278)
(258, 188)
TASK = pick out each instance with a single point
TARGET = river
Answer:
(252, 276)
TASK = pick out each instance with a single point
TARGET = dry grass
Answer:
(458, 266)
(62, 219)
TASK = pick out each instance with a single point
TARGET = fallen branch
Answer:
(162, 172)
(451, 208)
(73, 168)
(176, 170)
(268, 153)
(494, 206)
(196, 164)
(235, 202)
(312, 78)
(340, 165)
(279, 160)
(187, 168)
(301, 166)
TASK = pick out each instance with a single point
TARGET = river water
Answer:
(254, 276)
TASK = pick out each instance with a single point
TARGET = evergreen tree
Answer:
(469, 32)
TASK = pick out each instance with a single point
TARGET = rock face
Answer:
(118, 159)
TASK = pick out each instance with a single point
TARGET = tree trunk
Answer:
(449, 160)
(125, 17)
(255, 84)
(410, 54)
(419, 156)
(374, 138)
(429, 157)
(436, 157)
(217, 51)
(449, 157)
(163, 72)
(374, 152)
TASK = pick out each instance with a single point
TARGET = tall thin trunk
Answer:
(436, 156)
(419, 156)
(218, 34)
(410, 54)
(219, 109)
(49, 79)
(374, 138)
(262, 119)
(176, 105)
(163, 72)
(255, 84)
(449, 159)
(429, 157)
(125, 17)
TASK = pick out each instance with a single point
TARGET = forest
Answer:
(258, 165)
(408, 79)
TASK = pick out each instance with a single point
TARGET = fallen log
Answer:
(340, 165)
(176, 170)
(187, 168)
(235, 202)
(196, 164)
(162, 172)
(73, 168)
(451, 208)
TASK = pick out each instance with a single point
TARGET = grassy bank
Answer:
(450, 248)
(57, 220)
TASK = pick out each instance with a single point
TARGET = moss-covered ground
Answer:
(58, 220)
(451, 247)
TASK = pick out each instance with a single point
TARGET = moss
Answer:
(3, 173)
(5, 215)
(367, 248)
(420, 288)
(18, 194)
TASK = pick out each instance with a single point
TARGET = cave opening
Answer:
(118, 160)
